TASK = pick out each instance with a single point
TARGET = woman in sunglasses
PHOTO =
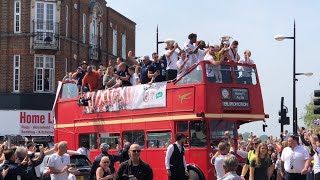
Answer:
(261, 167)
(103, 172)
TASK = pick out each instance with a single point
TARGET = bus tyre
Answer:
(195, 173)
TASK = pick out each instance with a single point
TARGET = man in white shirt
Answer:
(59, 162)
(84, 149)
(202, 51)
(175, 160)
(172, 58)
(246, 71)
(233, 52)
(191, 50)
(182, 63)
(296, 160)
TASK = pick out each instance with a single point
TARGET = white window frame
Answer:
(114, 42)
(84, 27)
(16, 66)
(67, 20)
(43, 68)
(124, 46)
(17, 14)
(45, 20)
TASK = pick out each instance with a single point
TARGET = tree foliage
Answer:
(309, 117)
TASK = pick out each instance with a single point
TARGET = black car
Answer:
(81, 162)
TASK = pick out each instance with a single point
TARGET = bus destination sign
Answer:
(235, 98)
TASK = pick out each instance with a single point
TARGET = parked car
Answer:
(81, 162)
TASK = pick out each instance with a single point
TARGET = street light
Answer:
(281, 38)
(158, 42)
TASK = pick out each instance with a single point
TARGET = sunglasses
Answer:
(136, 151)
(106, 162)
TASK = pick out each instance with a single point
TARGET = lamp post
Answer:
(294, 109)
(158, 42)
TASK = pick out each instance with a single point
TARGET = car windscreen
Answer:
(80, 160)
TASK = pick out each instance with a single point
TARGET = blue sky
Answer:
(254, 24)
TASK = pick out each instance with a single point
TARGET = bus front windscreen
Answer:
(219, 127)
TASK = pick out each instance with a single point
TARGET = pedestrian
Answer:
(218, 159)
(134, 168)
(261, 167)
(84, 149)
(230, 164)
(104, 147)
(175, 160)
(35, 161)
(251, 154)
(103, 172)
(296, 160)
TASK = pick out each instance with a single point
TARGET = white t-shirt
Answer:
(192, 57)
(210, 67)
(72, 177)
(84, 151)
(316, 166)
(200, 54)
(172, 60)
(183, 69)
(133, 79)
(58, 163)
(246, 71)
(218, 164)
(298, 155)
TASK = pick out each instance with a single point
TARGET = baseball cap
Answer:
(84, 62)
(104, 147)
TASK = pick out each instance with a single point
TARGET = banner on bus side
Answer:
(127, 98)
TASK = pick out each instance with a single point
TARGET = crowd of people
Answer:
(289, 157)
(171, 65)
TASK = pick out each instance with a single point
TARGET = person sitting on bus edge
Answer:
(134, 167)
(172, 58)
(92, 78)
(103, 171)
(214, 57)
(224, 148)
(230, 165)
(68, 78)
(157, 70)
(175, 161)
(104, 147)
(108, 79)
(182, 63)
(191, 50)
(80, 73)
(134, 78)
(123, 74)
(246, 70)
(84, 149)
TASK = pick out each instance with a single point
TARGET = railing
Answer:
(45, 35)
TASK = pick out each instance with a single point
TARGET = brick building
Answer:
(42, 40)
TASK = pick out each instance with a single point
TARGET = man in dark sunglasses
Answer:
(134, 167)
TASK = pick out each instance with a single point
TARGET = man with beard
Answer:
(175, 160)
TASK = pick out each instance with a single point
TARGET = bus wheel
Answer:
(195, 173)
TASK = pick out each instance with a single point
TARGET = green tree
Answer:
(264, 138)
(308, 116)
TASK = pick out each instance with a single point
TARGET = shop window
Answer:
(134, 137)
(161, 139)
(91, 139)
(112, 139)
(198, 132)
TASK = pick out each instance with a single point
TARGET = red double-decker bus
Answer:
(195, 104)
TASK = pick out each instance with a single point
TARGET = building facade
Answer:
(42, 40)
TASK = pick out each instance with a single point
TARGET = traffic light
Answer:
(316, 102)
(283, 120)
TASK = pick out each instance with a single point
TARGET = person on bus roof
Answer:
(93, 79)
(175, 160)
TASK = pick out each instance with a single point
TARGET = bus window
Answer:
(198, 132)
(226, 74)
(91, 139)
(112, 139)
(195, 76)
(161, 139)
(219, 127)
(134, 137)
(218, 73)
(69, 90)
(246, 75)
(183, 128)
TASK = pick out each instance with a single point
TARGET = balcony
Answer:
(45, 35)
